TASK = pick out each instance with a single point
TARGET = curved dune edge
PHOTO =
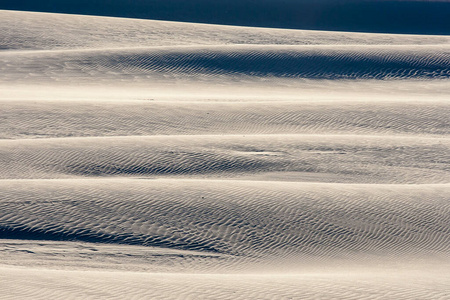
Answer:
(57, 119)
(235, 222)
(40, 31)
(87, 256)
(211, 90)
(200, 63)
(329, 158)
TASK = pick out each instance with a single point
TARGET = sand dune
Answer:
(311, 62)
(164, 160)
(39, 31)
(339, 158)
(239, 219)
(144, 59)
(50, 119)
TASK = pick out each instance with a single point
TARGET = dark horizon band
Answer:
(383, 16)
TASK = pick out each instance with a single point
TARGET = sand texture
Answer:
(144, 159)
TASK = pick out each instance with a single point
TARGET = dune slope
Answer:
(241, 219)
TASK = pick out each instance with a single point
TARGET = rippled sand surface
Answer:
(146, 159)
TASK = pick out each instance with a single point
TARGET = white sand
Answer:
(145, 159)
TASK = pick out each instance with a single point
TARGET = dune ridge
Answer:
(237, 218)
(39, 31)
(365, 159)
(311, 62)
(51, 119)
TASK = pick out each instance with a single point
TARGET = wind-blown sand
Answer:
(164, 160)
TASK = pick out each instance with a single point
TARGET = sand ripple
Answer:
(159, 160)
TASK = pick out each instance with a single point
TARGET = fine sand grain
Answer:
(143, 159)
